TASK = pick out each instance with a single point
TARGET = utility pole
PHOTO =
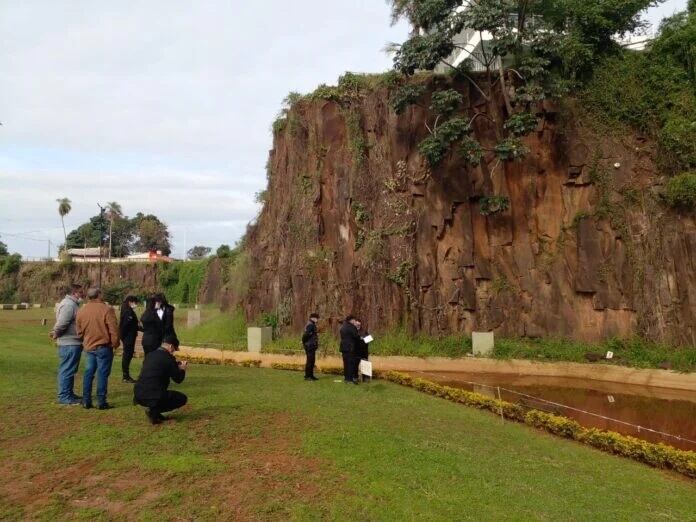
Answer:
(49, 250)
(101, 240)
(185, 243)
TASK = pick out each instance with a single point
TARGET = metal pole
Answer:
(101, 240)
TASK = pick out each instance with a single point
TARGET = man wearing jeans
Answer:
(96, 324)
(69, 344)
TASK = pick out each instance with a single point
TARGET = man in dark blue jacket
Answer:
(152, 387)
(310, 342)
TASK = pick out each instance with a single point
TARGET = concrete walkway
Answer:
(595, 372)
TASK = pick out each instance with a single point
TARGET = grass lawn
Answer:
(263, 444)
(217, 330)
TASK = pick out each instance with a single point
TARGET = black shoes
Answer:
(128, 379)
(154, 418)
(312, 378)
(89, 406)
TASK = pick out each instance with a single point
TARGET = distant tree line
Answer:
(142, 233)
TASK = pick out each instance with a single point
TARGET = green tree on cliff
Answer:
(529, 51)
(64, 208)
(152, 234)
(114, 212)
(4, 252)
(198, 252)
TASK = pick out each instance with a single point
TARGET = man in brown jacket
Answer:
(96, 324)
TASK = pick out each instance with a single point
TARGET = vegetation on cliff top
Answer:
(544, 51)
(654, 91)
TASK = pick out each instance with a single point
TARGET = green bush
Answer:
(181, 281)
(680, 191)
(653, 91)
(635, 89)
(490, 205)
(677, 141)
(10, 264)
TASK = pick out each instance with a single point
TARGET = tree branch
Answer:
(468, 78)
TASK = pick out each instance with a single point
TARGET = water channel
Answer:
(650, 413)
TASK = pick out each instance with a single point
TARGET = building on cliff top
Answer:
(475, 46)
(91, 255)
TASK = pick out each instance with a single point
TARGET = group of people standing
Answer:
(354, 347)
(93, 330)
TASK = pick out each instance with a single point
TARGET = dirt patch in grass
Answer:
(265, 471)
(260, 472)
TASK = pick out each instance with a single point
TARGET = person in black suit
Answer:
(310, 342)
(152, 387)
(167, 317)
(350, 339)
(128, 326)
(363, 353)
(153, 324)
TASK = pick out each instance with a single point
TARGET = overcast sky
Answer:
(163, 105)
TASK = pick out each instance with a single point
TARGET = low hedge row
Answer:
(249, 363)
(657, 455)
(296, 367)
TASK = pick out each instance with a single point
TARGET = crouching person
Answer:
(152, 387)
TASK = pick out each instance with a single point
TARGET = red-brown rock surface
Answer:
(354, 221)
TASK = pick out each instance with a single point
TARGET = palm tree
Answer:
(64, 208)
(115, 211)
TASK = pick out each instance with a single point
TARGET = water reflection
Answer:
(660, 409)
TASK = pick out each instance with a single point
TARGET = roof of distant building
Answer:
(87, 252)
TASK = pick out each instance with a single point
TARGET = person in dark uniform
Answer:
(128, 326)
(152, 387)
(349, 348)
(363, 353)
(167, 317)
(310, 342)
(153, 324)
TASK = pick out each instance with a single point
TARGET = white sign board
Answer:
(482, 343)
(610, 355)
(368, 339)
(366, 368)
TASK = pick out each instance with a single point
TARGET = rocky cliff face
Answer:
(46, 282)
(355, 221)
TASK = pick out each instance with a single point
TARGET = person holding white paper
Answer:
(350, 347)
(363, 353)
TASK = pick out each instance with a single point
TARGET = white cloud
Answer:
(164, 106)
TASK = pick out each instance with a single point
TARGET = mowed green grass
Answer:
(263, 444)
